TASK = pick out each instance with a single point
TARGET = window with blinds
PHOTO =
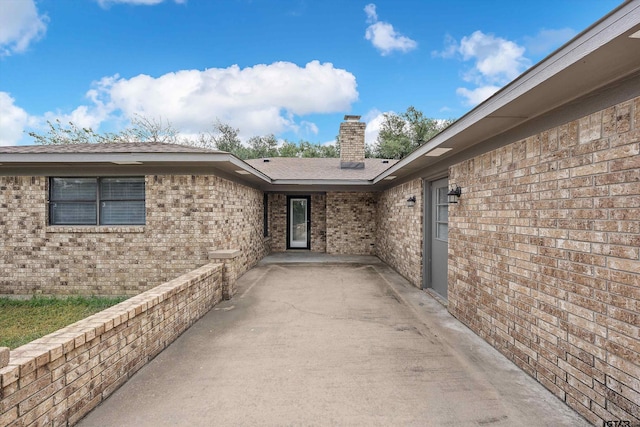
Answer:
(97, 201)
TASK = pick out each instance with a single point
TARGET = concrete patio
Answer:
(314, 339)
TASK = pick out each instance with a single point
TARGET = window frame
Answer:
(97, 200)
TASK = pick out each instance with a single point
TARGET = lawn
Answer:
(22, 321)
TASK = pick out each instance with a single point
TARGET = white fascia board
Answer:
(119, 158)
(608, 28)
(112, 157)
(320, 182)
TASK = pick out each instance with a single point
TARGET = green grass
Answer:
(22, 321)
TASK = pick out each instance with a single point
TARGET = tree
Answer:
(145, 129)
(141, 129)
(72, 134)
(288, 149)
(263, 146)
(400, 134)
(223, 137)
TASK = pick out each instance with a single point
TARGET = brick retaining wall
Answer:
(59, 378)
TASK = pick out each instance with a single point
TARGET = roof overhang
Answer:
(600, 55)
(66, 164)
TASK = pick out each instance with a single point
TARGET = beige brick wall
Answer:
(351, 223)
(278, 222)
(544, 251)
(187, 217)
(399, 233)
(57, 379)
(318, 222)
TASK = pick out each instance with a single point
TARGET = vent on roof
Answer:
(385, 161)
(265, 160)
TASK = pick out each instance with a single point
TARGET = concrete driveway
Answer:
(330, 343)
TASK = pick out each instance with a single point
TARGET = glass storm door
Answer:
(298, 219)
(439, 236)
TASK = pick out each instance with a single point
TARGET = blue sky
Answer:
(293, 68)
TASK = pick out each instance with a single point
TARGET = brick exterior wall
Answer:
(318, 223)
(351, 223)
(399, 234)
(278, 222)
(187, 217)
(58, 379)
(544, 258)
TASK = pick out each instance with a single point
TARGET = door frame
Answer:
(427, 219)
(308, 199)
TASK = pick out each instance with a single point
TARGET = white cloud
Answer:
(373, 119)
(107, 3)
(13, 120)
(547, 41)
(257, 100)
(496, 61)
(372, 15)
(476, 96)
(20, 24)
(383, 36)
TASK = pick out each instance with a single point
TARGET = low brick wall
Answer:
(59, 378)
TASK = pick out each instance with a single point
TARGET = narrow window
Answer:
(93, 201)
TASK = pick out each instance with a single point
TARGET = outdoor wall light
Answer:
(454, 194)
(411, 201)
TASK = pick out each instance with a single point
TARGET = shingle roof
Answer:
(104, 148)
(318, 168)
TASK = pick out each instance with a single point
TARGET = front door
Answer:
(298, 222)
(439, 236)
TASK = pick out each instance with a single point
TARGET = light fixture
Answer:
(454, 194)
(390, 177)
(411, 201)
(242, 172)
(438, 152)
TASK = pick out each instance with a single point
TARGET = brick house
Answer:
(540, 254)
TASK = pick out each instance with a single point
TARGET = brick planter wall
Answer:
(399, 235)
(544, 258)
(59, 378)
(187, 217)
(351, 223)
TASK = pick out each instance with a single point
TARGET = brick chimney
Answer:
(352, 143)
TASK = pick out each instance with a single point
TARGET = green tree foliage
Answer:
(222, 137)
(400, 134)
(263, 146)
